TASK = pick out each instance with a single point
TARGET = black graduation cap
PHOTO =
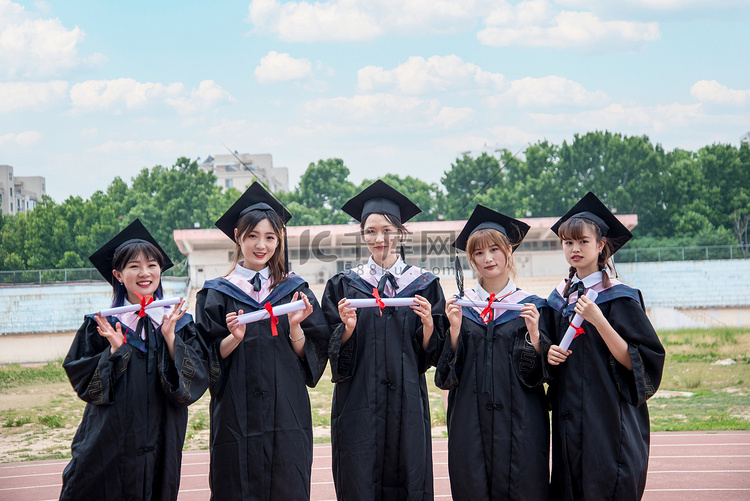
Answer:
(486, 218)
(255, 198)
(380, 198)
(134, 232)
(591, 208)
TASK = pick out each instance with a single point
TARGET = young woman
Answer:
(137, 372)
(498, 427)
(600, 426)
(380, 421)
(261, 423)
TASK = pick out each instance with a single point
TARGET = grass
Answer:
(39, 412)
(14, 375)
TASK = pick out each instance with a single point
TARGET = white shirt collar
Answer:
(155, 314)
(484, 295)
(377, 271)
(248, 275)
(590, 280)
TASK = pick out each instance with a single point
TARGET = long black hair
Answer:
(130, 251)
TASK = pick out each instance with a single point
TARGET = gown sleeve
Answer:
(91, 369)
(450, 365)
(210, 323)
(317, 336)
(530, 366)
(342, 356)
(431, 355)
(628, 318)
(184, 379)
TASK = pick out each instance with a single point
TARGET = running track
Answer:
(685, 466)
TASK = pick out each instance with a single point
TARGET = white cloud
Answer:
(108, 94)
(165, 147)
(31, 95)
(711, 91)
(30, 46)
(281, 67)
(624, 118)
(208, 95)
(126, 93)
(537, 23)
(27, 138)
(435, 74)
(374, 108)
(548, 91)
(351, 20)
(452, 118)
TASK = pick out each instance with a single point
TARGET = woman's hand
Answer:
(590, 311)
(168, 323)
(455, 317)
(236, 334)
(236, 329)
(530, 315)
(296, 317)
(423, 309)
(556, 355)
(113, 335)
(348, 317)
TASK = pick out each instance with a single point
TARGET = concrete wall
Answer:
(26, 309)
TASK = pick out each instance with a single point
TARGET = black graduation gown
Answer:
(380, 419)
(498, 435)
(129, 443)
(261, 422)
(600, 424)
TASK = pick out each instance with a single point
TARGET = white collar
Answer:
(484, 295)
(377, 271)
(155, 314)
(248, 275)
(590, 280)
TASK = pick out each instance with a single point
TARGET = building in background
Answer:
(239, 170)
(19, 193)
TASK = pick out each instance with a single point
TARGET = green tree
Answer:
(322, 190)
(424, 195)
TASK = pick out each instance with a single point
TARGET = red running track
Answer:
(684, 466)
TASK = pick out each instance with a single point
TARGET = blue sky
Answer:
(90, 90)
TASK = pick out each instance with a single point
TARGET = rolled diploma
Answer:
(575, 323)
(282, 309)
(495, 305)
(388, 301)
(137, 307)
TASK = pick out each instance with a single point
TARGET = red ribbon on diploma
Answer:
(378, 300)
(145, 301)
(274, 319)
(579, 331)
(487, 311)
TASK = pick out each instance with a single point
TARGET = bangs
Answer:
(249, 221)
(135, 250)
(575, 228)
(487, 238)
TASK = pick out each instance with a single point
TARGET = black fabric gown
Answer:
(498, 428)
(380, 419)
(129, 443)
(261, 422)
(600, 424)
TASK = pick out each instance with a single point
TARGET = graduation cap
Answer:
(134, 232)
(255, 198)
(485, 218)
(592, 209)
(380, 198)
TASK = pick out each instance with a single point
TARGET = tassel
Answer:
(459, 276)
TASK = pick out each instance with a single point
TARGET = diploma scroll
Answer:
(388, 301)
(576, 323)
(282, 309)
(496, 305)
(137, 307)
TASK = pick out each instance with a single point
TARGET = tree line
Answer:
(681, 197)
